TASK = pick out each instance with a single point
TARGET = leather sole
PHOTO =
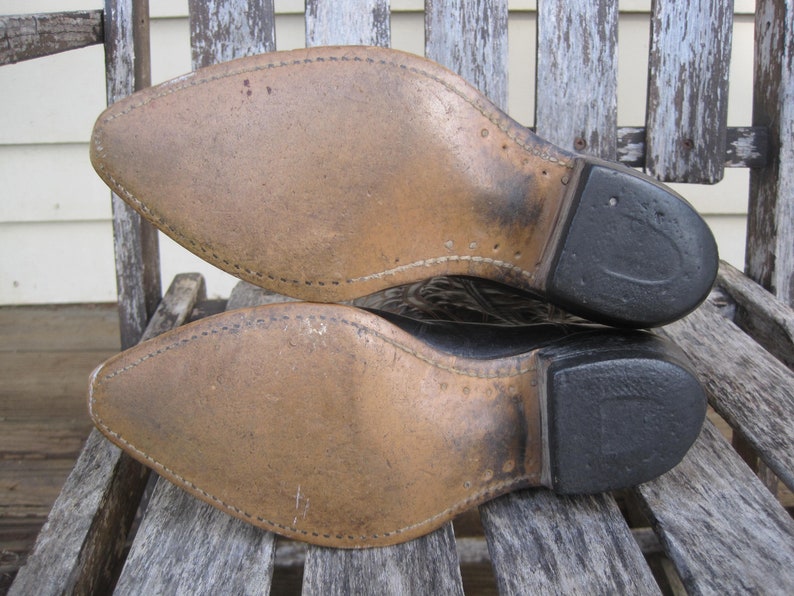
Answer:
(332, 425)
(327, 174)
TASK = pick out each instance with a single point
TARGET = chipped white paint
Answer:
(576, 97)
(365, 22)
(470, 38)
(688, 90)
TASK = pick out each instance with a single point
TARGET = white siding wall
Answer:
(55, 230)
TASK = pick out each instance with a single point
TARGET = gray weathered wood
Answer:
(542, 543)
(222, 30)
(128, 68)
(747, 386)
(577, 80)
(23, 37)
(688, 90)
(470, 38)
(725, 533)
(334, 22)
(83, 540)
(745, 146)
(185, 546)
(427, 565)
(769, 321)
(770, 229)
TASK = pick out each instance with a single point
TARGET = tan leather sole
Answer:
(329, 424)
(327, 174)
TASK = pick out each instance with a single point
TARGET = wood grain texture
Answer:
(23, 37)
(128, 68)
(745, 147)
(82, 542)
(577, 81)
(185, 546)
(427, 565)
(688, 90)
(362, 22)
(770, 228)
(541, 543)
(766, 319)
(222, 30)
(747, 386)
(470, 38)
(723, 530)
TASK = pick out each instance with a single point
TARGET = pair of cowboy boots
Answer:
(332, 175)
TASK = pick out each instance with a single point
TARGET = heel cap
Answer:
(619, 418)
(635, 253)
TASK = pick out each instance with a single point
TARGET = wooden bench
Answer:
(712, 524)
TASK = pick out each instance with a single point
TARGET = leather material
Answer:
(330, 424)
(327, 174)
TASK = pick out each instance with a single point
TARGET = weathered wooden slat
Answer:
(760, 314)
(748, 386)
(427, 565)
(542, 543)
(470, 38)
(770, 229)
(82, 542)
(577, 82)
(23, 37)
(185, 546)
(330, 22)
(725, 533)
(227, 29)
(688, 90)
(128, 68)
(745, 146)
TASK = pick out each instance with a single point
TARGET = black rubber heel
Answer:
(620, 410)
(635, 254)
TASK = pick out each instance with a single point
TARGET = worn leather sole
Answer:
(335, 426)
(330, 173)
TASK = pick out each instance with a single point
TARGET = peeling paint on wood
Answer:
(688, 90)
(770, 226)
(222, 30)
(128, 68)
(366, 22)
(576, 90)
(23, 37)
(745, 146)
(470, 38)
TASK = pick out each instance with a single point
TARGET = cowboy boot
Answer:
(342, 427)
(327, 174)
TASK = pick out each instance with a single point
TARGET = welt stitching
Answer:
(492, 117)
(498, 374)
(209, 252)
(459, 506)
